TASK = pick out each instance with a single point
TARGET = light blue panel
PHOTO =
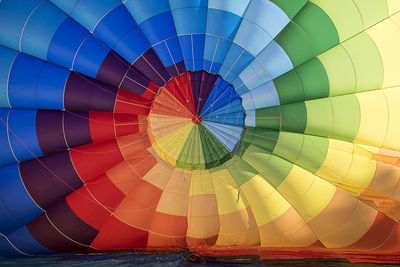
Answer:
(267, 15)
(142, 10)
(13, 15)
(23, 81)
(261, 97)
(7, 58)
(231, 109)
(275, 59)
(176, 4)
(234, 132)
(66, 6)
(228, 136)
(89, 12)
(190, 20)
(255, 75)
(15, 198)
(186, 48)
(236, 60)
(90, 56)
(237, 7)
(6, 155)
(25, 242)
(222, 24)
(215, 49)
(250, 118)
(22, 134)
(252, 37)
(232, 120)
(40, 29)
(50, 87)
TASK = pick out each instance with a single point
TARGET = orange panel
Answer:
(168, 231)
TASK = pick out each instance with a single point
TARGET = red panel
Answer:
(118, 235)
(151, 91)
(194, 243)
(130, 103)
(101, 126)
(94, 159)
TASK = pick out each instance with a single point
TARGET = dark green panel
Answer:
(269, 118)
(289, 88)
(290, 7)
(294, 117)
(314, 79)
(263, 138)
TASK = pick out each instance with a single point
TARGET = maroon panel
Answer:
(150, 65)
(77, 128)
(49, 131)
(113, 69)
(206, 87)
(83, 93)
(177, 69)
(135, 81)
(66, 221)
(49, 179)
(47, 235)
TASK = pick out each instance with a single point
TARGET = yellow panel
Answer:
(386, 36)
(373, 118)
(307, 193)
(203, 220)
(337, 161)
(360, 174)
(394, 6)
(159, 175)
(175, 197)
(359, 150)
(170, 146)
(371, 149)
(265, 201)
(227, 191)
(201, 183)
(393, 131)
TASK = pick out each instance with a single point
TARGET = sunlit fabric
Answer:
(267, 127)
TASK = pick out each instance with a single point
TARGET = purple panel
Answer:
(195, 81)
(50, 131)
(70, 224)
(49, 179)
(207, 85)
(83, 93)
(177, 69)
(113, 69)
(48, 236)
(150, 65)
(77, 129)
(136, 82)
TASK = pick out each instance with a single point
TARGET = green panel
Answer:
(344, 14)
(240, 148)
(289, 88)
(319, 117)
(290, 7)
(269, 118)
(372, 11)
(214, 152)
(240, 170)
(273, 168)
(314, 79)
(340, 71)
(319, 27)
(367, 62)
(191, 155)
(313, 153)
(294, 117)
(296, 43)
(289, 145)
(346, 117)
(263, 138)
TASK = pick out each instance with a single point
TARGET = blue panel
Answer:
(231, 110)
(250, 118)
(22, 124)
(215, 49)
(6, 155)
(6, 249)
(8, 222)
(159, 28)
(11, 189)
(198, 50)
(211, 67)
(23, 80)
(175, 4)
(66, 42)
(186, 47)
(190, 20)
(142, 10)
(90, 56)
(237, 7)
(223, 24)
(122, 34)
(24, 241)
(66, 6)
(168, 49)
(89, 12)
(14, 14)
(7, 58)
(51, 85)
(228, 135)
(40, 29)
(234, 63)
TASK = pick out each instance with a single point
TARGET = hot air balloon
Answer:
(226, 127)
